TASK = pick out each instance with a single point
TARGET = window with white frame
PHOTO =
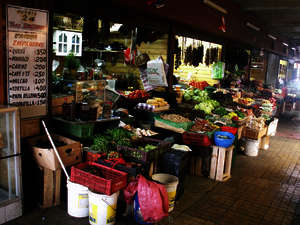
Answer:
(75, 44)
(65, 42)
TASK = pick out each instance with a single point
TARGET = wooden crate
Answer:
(240, 131)
(51, 181)
(196, 165)
(271, 131)
(70, 153)
(30, 127)
(220, 167)
(57, 103)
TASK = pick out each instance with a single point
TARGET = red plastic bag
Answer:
(153, 199)
(129, 55)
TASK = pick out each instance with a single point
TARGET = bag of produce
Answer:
(156, 72)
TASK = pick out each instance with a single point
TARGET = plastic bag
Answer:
(218, 70)
(156, 72)
(153, 199)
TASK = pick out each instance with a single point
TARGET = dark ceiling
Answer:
(279, 17)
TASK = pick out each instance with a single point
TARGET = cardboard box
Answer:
(70, 153)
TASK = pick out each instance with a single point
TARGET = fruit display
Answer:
(157, 102)
(137, 94)
(246, 101)
(175, 118)
(199, 84)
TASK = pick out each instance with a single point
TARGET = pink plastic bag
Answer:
(153, 199)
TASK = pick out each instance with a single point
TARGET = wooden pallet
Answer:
(51, 187)
(220, 166)
(196, 166)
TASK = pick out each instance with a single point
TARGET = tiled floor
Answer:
(263, 190)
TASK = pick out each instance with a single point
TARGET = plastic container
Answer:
(76, 129)
(232, 130)
(252, 147)
(108, 182)
(222, 142)
(102, 208)
(192, 138)
(170, 182)
(78, 201)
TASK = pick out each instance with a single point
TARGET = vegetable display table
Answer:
(221, 157)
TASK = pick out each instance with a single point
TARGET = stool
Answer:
(220, 166)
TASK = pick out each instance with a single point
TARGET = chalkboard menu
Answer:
(27, 60)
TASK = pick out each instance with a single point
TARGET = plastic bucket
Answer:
(252, 147)
(102, 208)
(78, 202)
(170, 182)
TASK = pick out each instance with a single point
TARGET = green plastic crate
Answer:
(80, 130)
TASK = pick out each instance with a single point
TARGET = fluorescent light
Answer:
(285, 44)
(115, 27)
(252, 26)
(272, 37)
(215, 6)
(294, 49)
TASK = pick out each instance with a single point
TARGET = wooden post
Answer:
(51, 187)
(3, 88)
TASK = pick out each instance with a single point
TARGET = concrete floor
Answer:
(263, 190)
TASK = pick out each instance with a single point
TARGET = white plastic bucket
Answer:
(78, 202)
(102, 208)
(170, 182)
(252, 147)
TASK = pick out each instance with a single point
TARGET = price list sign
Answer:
(27, 60)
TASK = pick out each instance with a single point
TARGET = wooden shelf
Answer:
(98, 50)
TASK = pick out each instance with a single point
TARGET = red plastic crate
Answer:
(109, 182)
(192, 138)
(232, 130)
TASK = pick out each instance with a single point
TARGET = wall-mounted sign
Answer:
(27, 60)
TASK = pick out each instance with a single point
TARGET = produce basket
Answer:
(254, 134)
(145, 156)
(98, 178)
(197, 139)
(169, 125)
(223, 142)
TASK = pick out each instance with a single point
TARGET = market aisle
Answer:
(263, 190)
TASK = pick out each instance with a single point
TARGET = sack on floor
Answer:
(153, 198)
